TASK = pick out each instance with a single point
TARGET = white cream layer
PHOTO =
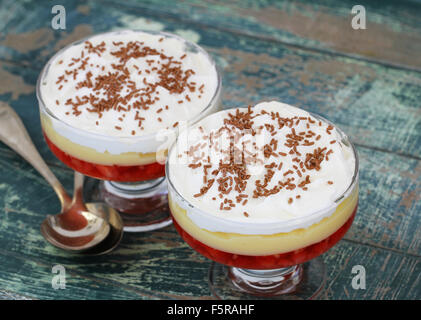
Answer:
(104, 137)
(266, 215)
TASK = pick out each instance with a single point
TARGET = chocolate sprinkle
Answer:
(231, 174)
(113, 90)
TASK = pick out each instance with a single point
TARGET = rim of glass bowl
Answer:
(188, 44)
(290, 223)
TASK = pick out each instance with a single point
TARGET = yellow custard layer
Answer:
(91, 155)
(257, 245)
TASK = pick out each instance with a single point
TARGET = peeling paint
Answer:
(14, 84)
(378, 105)
(135, 22)
(28, 41)
(79, 32)
(409, 198)
(190, 35)
(84, 9)
(323, 29)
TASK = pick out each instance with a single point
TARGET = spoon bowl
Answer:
(103, 241)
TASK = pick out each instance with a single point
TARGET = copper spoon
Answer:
(92, 228)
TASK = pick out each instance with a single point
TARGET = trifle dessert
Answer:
(111, 105)
(261, 191)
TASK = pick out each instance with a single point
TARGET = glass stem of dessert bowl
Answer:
(280, 281)
(294, 282)
(104, 103)
(143, 205)
(132, 189)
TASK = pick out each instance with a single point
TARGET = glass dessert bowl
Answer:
(112, 104)
(263, 192)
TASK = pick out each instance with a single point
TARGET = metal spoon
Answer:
(92, 228)
(76, 227)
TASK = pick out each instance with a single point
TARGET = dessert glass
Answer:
(131, 182)
(284, 265)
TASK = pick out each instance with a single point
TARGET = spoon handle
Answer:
(14, 134)
(77, 200)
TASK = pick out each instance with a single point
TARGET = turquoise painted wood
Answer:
(392, 35)
(266, 50)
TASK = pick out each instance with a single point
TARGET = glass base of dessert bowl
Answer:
(143, 205)
(300, 282)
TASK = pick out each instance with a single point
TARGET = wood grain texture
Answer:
(34, 279)
(7, 295)
(378, 105)
(155, 265)
(392, 35)
(389, 205)
(389, 275)
(388, 214)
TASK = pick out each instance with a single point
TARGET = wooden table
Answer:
(306, 54)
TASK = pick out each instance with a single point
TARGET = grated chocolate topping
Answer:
(231, 175)
(115, 90)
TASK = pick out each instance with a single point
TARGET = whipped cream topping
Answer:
(128, 84)
(262, 170)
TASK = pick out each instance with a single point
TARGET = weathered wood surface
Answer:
(392, 35)
(378, 105)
